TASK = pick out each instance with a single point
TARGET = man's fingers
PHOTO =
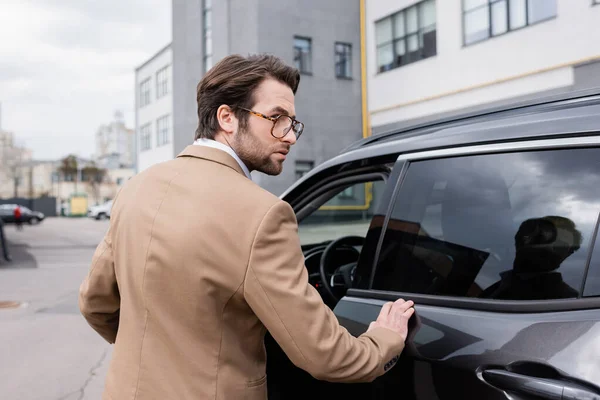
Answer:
(401, 306)
(385, 310)
(408, 313)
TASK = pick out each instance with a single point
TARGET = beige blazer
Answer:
(197, 264)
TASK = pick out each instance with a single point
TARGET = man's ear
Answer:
(227, 120)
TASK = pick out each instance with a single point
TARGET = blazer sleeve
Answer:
(99, 299)
(276, 287)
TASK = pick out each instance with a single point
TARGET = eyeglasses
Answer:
(282, 124)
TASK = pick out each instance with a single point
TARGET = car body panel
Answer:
(27, 215)
(461, 347)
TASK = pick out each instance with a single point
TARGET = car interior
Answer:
(331, 259)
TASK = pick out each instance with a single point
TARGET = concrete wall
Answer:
(329, 107)
(187, 68)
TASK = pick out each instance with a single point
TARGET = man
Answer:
(199, 261)
(18, 217)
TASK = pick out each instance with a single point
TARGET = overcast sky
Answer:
(67, 65)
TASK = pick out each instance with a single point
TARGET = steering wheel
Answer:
(345, 271)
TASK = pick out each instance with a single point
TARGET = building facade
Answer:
(115, 144)
(304, 33)
(433, 57)
(12, 160)
(154, 110)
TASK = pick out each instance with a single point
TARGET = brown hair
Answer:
(232, 81)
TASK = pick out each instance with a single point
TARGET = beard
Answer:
(254, 155)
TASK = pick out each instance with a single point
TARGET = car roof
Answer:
(577, 106)
(574, 113)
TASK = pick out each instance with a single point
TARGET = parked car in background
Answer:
(489, 222)
(7, 213)
(101, 211)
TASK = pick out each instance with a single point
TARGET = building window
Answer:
(207, 22)
(145, 92)
(303, 54)
(406, 36)
(145, 137)
(343, 60)
(162, 82)
(163, 125)
(347, 193)
(302, 168)
(483, 19)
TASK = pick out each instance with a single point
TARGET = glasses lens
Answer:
(298, 128)
(282, 126)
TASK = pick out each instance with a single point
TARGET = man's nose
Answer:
(290, 138)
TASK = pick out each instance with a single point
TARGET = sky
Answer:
(66, 66)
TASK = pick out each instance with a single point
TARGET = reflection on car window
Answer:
(347, 212)
(504, 226)
(592, 282)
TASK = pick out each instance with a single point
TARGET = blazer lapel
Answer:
(211, 154)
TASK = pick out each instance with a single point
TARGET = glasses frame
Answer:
(274, 120)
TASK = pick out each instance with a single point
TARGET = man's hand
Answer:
(394, 316)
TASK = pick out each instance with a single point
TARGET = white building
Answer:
(154, 110)
(115, 144)
(12, 159)
(431, 57)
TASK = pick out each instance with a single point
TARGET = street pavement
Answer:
(47, 350)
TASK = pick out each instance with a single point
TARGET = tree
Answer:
(93, 175)
(68, 168)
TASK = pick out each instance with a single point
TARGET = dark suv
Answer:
(489, 223)
(7, 213)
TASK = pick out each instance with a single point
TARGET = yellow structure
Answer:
(78, 205)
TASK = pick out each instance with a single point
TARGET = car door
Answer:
(493, 244)
(7, 213)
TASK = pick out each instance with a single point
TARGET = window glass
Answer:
(499, 21)
(485, 19)
(343, 60)
(471, 4)
(413, 31)
(303, 54)
(412, 20)
(503, 226)
(592, 283)
(539, 10)
(303, 167)
(383, 31)
(428, 15)
(477, 25)
(399, 28)
(347, 212)
(385, 57)
(518, 13)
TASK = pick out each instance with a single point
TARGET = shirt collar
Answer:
(218, 145)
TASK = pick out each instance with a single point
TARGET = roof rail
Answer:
(436, 120)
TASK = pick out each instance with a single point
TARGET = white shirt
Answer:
(218, 145)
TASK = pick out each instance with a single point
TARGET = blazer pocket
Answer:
(257, 382)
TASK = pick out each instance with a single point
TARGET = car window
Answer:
(503, 226)
(347, 212)
(592, 282)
